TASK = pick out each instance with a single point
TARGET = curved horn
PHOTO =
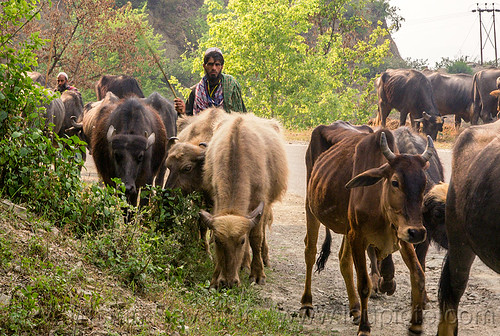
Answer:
(111, 131)
(75, 124)
(384, 147)
(426, 155)
(426, 115)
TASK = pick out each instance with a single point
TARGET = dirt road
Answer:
(389, 315)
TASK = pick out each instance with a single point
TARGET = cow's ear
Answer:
(368, 178)
(207, 219)
(171, 141)
(495, 93)
(256, 214)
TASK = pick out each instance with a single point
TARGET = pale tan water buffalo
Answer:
(245, 172)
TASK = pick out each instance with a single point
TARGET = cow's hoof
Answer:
(356, 316)
(258, 280)
(306, 311)
(387, 287)
(364, 333)
(415, 329)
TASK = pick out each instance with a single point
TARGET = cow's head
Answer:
(496, 94)
(431, 124)
(185, 164)
(402, 191)
(130, 153)
(231, 237)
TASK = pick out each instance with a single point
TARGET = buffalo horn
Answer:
(384, 147)
(111, 131)
(75, 124)
(426, 155)
(151, 140)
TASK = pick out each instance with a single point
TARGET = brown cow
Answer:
(129, 142)
(408, 91)
(343, 194)
(122, 86)
(245, 172)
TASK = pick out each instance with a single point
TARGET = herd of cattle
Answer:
(382, 190)
(428, 96)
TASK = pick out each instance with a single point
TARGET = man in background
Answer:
(62, 83)
(215, 89)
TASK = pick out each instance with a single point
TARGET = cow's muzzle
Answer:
(414, 235)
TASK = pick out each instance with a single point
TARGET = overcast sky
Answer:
(444, 28)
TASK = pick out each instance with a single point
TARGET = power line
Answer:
(491, 10)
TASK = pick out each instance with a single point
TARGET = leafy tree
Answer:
(291, 68)
(90, 38)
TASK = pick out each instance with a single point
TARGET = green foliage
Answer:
(284, 75)
(455, 66)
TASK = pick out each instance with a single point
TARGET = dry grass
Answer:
(445, 139)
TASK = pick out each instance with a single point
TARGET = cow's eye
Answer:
(140, 157)
(395, 184)
(242, 242)
(187, 168)
(118, 157)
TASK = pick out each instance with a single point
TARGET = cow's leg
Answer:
(345, 261)
(458, 122)
(387, 283)
(374, 268)
(257, 274)
(454, 277)
(268, 219)
(421, 251)
(364, 283)
(214, 283)
(310, 242)
(417, 286)
(384, 110)
(402, 117)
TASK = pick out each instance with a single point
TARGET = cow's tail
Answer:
(325, 251)
(379, 84)
(476, 101)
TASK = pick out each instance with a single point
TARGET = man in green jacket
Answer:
(215, 89)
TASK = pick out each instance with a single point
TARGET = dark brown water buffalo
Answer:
(409, 92)
(485, 105)
(122, 86)
(168, 114)
(343, 194)
(129, 142)
(453, 95)
(73, 111)
(244, 181)
(472, 216)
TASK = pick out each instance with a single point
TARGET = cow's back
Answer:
(122, 86)
(453, 93)
(245, 164)
(201, 127)
(327, 197)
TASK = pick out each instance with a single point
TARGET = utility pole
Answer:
(482, 26)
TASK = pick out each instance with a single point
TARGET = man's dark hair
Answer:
(215, 54)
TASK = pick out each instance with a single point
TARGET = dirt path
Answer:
(389, 315)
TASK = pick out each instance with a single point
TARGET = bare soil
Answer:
(479, 310)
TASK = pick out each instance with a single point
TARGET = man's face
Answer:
(212, 68)
(61, 81)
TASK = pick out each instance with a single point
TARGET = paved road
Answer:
(296, 162)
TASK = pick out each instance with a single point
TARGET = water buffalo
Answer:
(244, 181)
(485, 105)
(472, 216)
(73, 111)
(343, 194)
(166, 110)
(122, 86)
(453, 95)
(129, 142)
(408, 91)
